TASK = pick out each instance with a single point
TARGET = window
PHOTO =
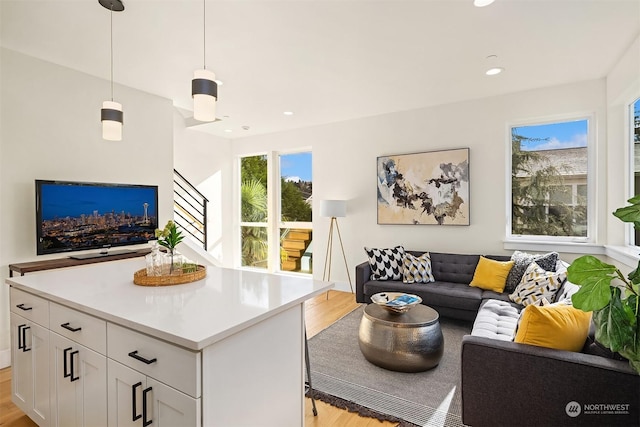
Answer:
(295, 212)
(254, 212)
(285, 244)
(549, 180)
(634, 110)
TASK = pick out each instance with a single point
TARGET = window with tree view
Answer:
(291, 235)
(549, 170)
(295, 212)
(254, 211)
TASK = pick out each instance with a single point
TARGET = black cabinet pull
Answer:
(20, 340)
(145, 422)
(72, 369)
(70, 328)
(134, 354)
(22, 307)
(65, 366)
(133, 401)
(24, 338)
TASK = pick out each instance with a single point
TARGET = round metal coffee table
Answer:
(406, 342)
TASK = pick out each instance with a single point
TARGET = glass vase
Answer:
(172, 263)
(154, 260)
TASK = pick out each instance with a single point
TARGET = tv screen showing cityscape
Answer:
(73, 216)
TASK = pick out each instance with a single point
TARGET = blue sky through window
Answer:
(296, 167)
(554, 136)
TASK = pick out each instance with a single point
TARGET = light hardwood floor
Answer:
(320, 313)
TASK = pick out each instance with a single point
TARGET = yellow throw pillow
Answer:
(559, 326)
(491, 275)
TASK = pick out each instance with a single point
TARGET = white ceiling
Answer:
(326, 60)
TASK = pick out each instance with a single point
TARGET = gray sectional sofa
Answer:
(504, 383)
(450, 295)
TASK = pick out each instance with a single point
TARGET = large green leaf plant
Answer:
(613, 298)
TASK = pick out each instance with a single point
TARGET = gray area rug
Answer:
(341, 376)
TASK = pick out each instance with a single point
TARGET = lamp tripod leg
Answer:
(344, 256)
(326, 276)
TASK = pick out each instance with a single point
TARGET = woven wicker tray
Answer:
(140, 278)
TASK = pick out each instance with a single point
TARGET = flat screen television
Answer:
(76, 216)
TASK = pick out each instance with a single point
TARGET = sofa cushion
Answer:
(497, 320)
(491, 275)
(386, 264)
(498, 296)
(417, 269)
(441, 294)
(537, 283)
(453, 268)
(559, 326)
(522, 260)
(449, 294)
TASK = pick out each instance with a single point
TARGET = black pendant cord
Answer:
(204, 34)
(111, 16)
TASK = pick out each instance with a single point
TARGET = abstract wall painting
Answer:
(424, 188)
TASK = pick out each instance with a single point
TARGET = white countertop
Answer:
(193, 315)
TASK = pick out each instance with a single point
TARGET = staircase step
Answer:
(291, 265)
(294, 244)
(299, 235)
(294, 253)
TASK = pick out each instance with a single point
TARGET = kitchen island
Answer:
(91, 348)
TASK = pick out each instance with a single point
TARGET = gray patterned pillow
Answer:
(522, 260)
(417, 269)
(386, 264)
(537, 283)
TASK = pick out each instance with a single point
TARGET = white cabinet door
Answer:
(136, 400)
(124, 390)
(78, 384)
(30, 368)
(171, 407)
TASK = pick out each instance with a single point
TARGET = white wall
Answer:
(205, 160)
(50, 129)
(623, 87)
(344, 166)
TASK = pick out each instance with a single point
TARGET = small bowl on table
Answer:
(396, 302)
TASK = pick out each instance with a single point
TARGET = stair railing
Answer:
(190, 209)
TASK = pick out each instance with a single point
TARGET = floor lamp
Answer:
(334, 209)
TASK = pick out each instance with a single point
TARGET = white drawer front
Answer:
(30, 306)
(79, 327)
(174, 366)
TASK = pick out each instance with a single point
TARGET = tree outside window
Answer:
(549, 179)
(294, 228)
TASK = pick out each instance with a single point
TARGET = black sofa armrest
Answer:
(511, 384)
(363, 274)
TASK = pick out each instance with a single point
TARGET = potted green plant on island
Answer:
(169, 237)
(613, 298)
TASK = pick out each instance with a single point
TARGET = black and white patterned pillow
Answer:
(537, 283)
(521, 261)
(417, 269)
(386, 264)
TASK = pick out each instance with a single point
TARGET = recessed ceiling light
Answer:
(493, 67)
(228, 130)
(288, 113)
(482, 3)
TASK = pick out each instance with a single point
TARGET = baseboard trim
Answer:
(5, 358)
